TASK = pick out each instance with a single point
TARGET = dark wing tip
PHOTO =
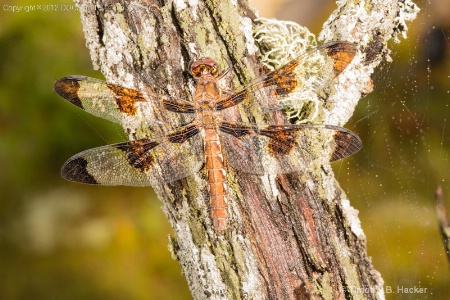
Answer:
(344, 47)
(67, 87)
(346, 142)
(335, 46)
(76, 170)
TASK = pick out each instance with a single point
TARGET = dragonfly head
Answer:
(204, 66)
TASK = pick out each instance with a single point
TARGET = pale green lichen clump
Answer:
(280, 42)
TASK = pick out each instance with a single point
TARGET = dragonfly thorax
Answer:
(207, 93)
(208, 118)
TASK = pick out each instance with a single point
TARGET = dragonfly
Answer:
(209, 139)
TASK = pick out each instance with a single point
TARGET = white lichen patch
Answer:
(90, 29)
(148, 40)
(273, 185)
(193, 3)
(179, 5)
(189, 256)
(192, 48)
(351, 215)
(354, 19)
(341, 103)
(310, 184)
(116, 40)
(247, 29)
(328, 185)
(408, 12)
(269, 181)
(212, 272)
(251, 281)
(343, 23)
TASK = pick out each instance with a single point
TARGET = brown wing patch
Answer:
(232, 100)
(67, 87)
(126, 98)
(137, 153)
(236, 130)
(183, 134)
(76, 170)
(342, 53)
(284, 79)
(177, 106)
(282, 140)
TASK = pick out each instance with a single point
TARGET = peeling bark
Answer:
(291, 236)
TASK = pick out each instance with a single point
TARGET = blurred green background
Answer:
(60, 240)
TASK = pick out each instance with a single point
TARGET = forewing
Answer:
(306, 74)
(137, 163)
(113, 102)
(282, 149)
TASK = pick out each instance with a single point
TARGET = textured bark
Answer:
(290, 236)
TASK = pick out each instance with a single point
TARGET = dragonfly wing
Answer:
(137, 163)
(279, 149)
(297, 80)
(113, 102)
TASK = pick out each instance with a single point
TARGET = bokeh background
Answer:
(60, 240)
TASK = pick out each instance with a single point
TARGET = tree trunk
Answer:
(291, 236)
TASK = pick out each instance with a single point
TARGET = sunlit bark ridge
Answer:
(291, 236)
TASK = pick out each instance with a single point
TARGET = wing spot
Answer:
(67, 87)
(76, 170)
(282, 141)
(137, 153)
(126, 98)
(284, 79)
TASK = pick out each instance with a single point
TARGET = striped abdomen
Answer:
(217, 179)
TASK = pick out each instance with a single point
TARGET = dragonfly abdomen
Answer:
(217, 179)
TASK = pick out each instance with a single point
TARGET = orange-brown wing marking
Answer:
(178, 106)
(137, 153)
(126, 98)
(232, 100)
(342, 54)
(282, 139)
(284, 78)
(67, 87)
(183, 134)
